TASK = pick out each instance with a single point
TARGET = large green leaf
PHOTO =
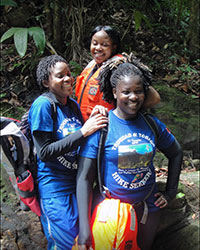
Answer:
(20, 39)
(38, 37)
(8, 2)
(8, 34)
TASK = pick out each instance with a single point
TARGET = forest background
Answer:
(163, 34)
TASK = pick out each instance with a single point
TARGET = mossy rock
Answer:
(182, 238)
(181, 115)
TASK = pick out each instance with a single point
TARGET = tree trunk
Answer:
(48, 19)
(192, 36)
(57, 26)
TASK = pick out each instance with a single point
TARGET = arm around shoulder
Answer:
(152, 98)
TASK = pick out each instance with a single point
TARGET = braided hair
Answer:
(44, 67)
(114, 70)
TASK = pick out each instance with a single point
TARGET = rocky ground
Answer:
(179, 226)
(20, 230)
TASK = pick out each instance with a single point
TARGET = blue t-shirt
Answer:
(127, 163)
(56, 177)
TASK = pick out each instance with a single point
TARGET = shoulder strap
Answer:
(74, 106)
(53, 107)
(103, 135)
(24, 125)
(152, 124)
(88, 78)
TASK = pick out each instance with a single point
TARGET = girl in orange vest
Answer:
(105, 44)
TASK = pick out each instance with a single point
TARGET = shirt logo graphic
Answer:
(134, 156)
(93, 90)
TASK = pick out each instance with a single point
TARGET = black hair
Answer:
(115, 69)
(44, 67)
(112, 33)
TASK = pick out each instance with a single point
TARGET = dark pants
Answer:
(147, 231)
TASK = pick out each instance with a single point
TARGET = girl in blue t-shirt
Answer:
(127, 166)
(57, 144)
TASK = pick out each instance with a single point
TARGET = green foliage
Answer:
(158, 6)
(21, 38)
(139, 16)
(180, 195)
(171, 18)
(29, 61)
(183, 71)
(159, 159)
(8, 34)
(178, 111)
(2, 95)
(8, 3)
(167, 20)
(175, 10)
(75, 68)
(8, 110)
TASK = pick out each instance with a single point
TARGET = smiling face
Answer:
(130, 96)
(101, 47)
(60, 82)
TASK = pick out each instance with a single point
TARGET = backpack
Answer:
(19, 158)
(103, 134)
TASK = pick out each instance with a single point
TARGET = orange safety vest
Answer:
(114, 226)
(89, 96)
